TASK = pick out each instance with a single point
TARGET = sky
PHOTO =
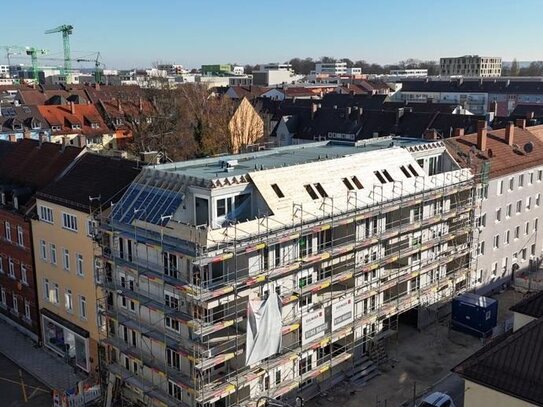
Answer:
(136, 33)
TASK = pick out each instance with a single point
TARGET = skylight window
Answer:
(311, 191)
(321, 190)
(412, 169)
(348, 184)
(380, 177)
(387, 176)
(405, 172)
(277, 191)
(356, 182)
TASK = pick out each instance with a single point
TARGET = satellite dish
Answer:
(490, 153)
(528, 147)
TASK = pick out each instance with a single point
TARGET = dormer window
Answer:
(118, 121)
(76, 127)
(36, 125)
(55, 128)
(95, 126)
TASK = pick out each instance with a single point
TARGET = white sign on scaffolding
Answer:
(313, 326)
(342, 313)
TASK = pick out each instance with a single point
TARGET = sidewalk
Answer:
(46, 367)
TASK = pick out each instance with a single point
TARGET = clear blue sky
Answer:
(134, 33)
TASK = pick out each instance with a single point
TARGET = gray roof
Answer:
(212, 168)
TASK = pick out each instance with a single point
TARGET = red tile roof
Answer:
(83, 115)
(503, 159)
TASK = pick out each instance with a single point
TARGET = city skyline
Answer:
(191, 33)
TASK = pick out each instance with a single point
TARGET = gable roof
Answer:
(505, 159)
(83, 115)
(33, 164)
(103, 176)
(510, 364)
(531, 305)
(23, 114)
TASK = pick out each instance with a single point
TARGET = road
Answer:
(452, 385)
(11, 393)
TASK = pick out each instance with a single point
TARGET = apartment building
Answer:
(331, 68)
(470, 66)
(25, 166)
(67, 256)
(508, 219)
(275, 273)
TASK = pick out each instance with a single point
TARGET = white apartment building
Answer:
(409, 73)
(328, 243)
(331, 68)
(471, 66)
(510, 167)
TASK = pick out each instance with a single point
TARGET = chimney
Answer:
(12, 138)
(459, 132)
(72, 108)
(97, 85)
(481, 135)
(510, 133)
(141, 104)
(521, 123)
(430, 134)
(27, 134)
(530, 115)
(119, 105)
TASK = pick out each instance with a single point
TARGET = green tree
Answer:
(515, 68)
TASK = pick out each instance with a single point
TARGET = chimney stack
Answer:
(72, 108)
(481, 135)
(521, 123)
(119, 105)
(459, 132)
(141, 104)
(97, 86)
(430, 134)
(510, 133)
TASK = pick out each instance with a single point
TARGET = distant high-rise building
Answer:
(471, 65)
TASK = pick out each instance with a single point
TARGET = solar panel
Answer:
(146, 203)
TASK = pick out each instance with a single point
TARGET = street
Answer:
(38, 395)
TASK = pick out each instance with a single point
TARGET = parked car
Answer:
(437, 399)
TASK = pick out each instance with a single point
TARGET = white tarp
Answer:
(264, 327)
(313, 326)
(342, 313)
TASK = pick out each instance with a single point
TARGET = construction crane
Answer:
(66, 31)
(32, 52)
(97, 69)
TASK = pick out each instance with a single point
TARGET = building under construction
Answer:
(277, 273)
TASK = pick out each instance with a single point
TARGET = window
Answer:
(8, 231)
(509, 210)
(481, 221)
(43, 250)
(357, 182)
(53, 253)
(53, 293)
(3, 297)
(481, 249)
(174, 390)
(527, 228)
(15, 304)
(379, 177)
(173, 359)
(311, 191)
(1, 265)
(499, 215)
(506, 237)
(497, 242)
(347, 184)
(11, 268)
(27, 310)
(46, 287)
(539, 175)
(172, 324)
(79, 258)
(521, 180)
(92, 227)
(519, 206)
(305, 245)
(320, 190)
(306, 300)
(536, 221)
(24, 277)
(511, 184)
(68, 300)
(66, 259)
(537, 199)
(171, 300)
(500, 188)
(46, 214)
(82, 307)
(277, 191)
(495, 268)
(20, 236)
(524, 252)
(530, 178)
(528, 203)
(69, 222)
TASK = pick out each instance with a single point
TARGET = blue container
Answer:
(474, 314)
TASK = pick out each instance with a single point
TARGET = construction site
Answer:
(281, 273)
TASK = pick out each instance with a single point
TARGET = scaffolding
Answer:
(175, 314)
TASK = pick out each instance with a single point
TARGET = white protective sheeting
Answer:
(263, 329)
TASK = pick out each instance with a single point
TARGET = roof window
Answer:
(277, 191)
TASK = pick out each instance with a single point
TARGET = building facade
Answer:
(331, 68)
(334, 241)
(471, 65)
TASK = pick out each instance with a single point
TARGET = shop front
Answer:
(67, 339)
